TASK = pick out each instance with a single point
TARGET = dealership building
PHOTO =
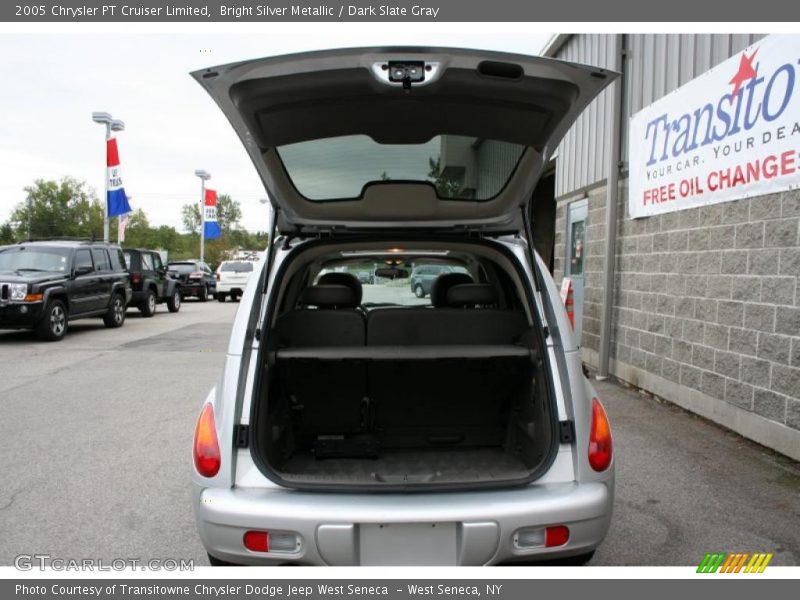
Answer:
(676, 204)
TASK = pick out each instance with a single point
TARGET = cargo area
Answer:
(451, 394)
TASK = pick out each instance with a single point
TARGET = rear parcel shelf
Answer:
(410, 352)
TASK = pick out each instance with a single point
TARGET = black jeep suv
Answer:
(46, 284)
(195, 277)
(150, 282)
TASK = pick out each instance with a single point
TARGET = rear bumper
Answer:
(20, 316)
(226, 288)
(192, 288)
(331, 528)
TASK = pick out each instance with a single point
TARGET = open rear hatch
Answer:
(395, 138)
(413, 141)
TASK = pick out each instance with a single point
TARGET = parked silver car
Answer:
(345, 432)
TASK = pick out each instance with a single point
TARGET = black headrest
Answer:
(329, 296)
(443, 283)
(347, 279)
(471, 294)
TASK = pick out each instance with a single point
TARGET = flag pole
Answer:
(112, 125)
(203, 175)
(202, 218)
(106, 228)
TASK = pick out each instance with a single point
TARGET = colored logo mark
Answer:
(737, 562)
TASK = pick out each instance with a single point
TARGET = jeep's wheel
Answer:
(148, 307)
(115, 316)
(53, 325)
(220, 297)
(419, 292)
(174, 302)
(203, 296)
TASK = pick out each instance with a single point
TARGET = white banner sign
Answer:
(733, 132)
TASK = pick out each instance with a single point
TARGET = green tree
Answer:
(7, 234)
(69, 208)
(65, 208)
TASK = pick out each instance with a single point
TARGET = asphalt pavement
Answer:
(96, 434)
(95, 440)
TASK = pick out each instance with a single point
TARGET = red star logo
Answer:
(745, 72)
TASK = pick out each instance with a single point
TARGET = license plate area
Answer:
(407, 544)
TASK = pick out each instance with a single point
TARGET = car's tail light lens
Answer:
(600, 444)
(207, 458)
(257, 541)
(216, 275)
(270, 541)
(136, 278)
(556, 536)
(538, 537)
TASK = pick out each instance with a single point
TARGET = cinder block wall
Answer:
(706, 308)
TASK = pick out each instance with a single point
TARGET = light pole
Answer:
(111, 124)
(29, 211)
(204, 176)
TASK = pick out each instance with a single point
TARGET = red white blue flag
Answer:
(116, 199)
(211, 228)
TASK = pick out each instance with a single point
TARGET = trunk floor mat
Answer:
(438, 465)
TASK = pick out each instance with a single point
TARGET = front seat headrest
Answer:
(471, 294)
(347, 279)
(329, 296)
(443, 283)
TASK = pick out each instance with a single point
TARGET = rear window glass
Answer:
(460, 167)
(237, 267)
(183, 267)
(379, 291)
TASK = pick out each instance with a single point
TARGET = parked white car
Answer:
(353, 425)
(232, 277)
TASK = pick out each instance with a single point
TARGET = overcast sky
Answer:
(53, 82)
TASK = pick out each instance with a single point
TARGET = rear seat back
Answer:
(341, 278)
(460, 322)
(458, 400)
(326, 395)
(334, 322)
(443, 283)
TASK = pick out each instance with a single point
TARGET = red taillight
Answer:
(556, 536)
(136, 278)
(599, 438)
(216, 275)
(206, 448)
(257, 541)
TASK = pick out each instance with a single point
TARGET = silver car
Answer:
(360, 425)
